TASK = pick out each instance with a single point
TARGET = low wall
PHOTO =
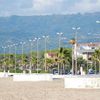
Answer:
(3, 75)
(58, 76)
(82, 81)
(32, 77)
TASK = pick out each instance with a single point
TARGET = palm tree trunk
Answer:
(95, 68)
(58, 69)
(99, 67)
(63, 68)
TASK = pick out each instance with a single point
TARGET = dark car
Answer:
(91, 71)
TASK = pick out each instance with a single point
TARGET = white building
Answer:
(86, 50)
(51, 55)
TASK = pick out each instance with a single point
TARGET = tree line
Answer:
(62, 62)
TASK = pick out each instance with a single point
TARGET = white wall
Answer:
(82, 82)
(32, 77)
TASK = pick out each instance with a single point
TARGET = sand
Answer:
(53, 90)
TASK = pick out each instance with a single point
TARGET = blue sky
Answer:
(46, 7)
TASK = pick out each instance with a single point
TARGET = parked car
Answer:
(55, 72)
(91, 71)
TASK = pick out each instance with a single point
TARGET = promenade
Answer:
(54, 90)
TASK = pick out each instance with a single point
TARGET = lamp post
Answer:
(73, 60)
(31, 43)
(30, 56)
(45, 39)
(37, 40)
(22, 44)
(4, 49)
(9, 47)
(98, 22)
(63, 65)
(88, 55)
(59, 34)
(75, 50)
(9, 52)
(15, 54)
(63, 39)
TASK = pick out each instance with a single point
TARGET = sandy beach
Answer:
(53, 90)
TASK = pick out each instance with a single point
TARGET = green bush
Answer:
(19, 70)
(1, 70)
(43, 71)
(40, 71)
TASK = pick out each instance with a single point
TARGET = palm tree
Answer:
(8, 63)
(96, 58)
(74, 62)
(81, 63)
(64, 58)
(50, 63)
(72, 41)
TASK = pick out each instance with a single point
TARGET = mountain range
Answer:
(22, 28)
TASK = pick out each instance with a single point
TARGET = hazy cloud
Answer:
(41, 7)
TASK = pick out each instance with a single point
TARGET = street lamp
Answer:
(31, 43)
(98, 22)
(30, 55)
(23, 43)
(9, 51)
(63, 39)
(15, 55)
(88, 56)
(37, 40)
(63, 65)
(4, 58)
(59, 34)
(75, 51)
(45, 38)
(9, 47)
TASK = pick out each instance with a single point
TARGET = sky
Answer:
(47, 7)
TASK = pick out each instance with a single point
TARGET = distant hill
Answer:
(22, 28)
